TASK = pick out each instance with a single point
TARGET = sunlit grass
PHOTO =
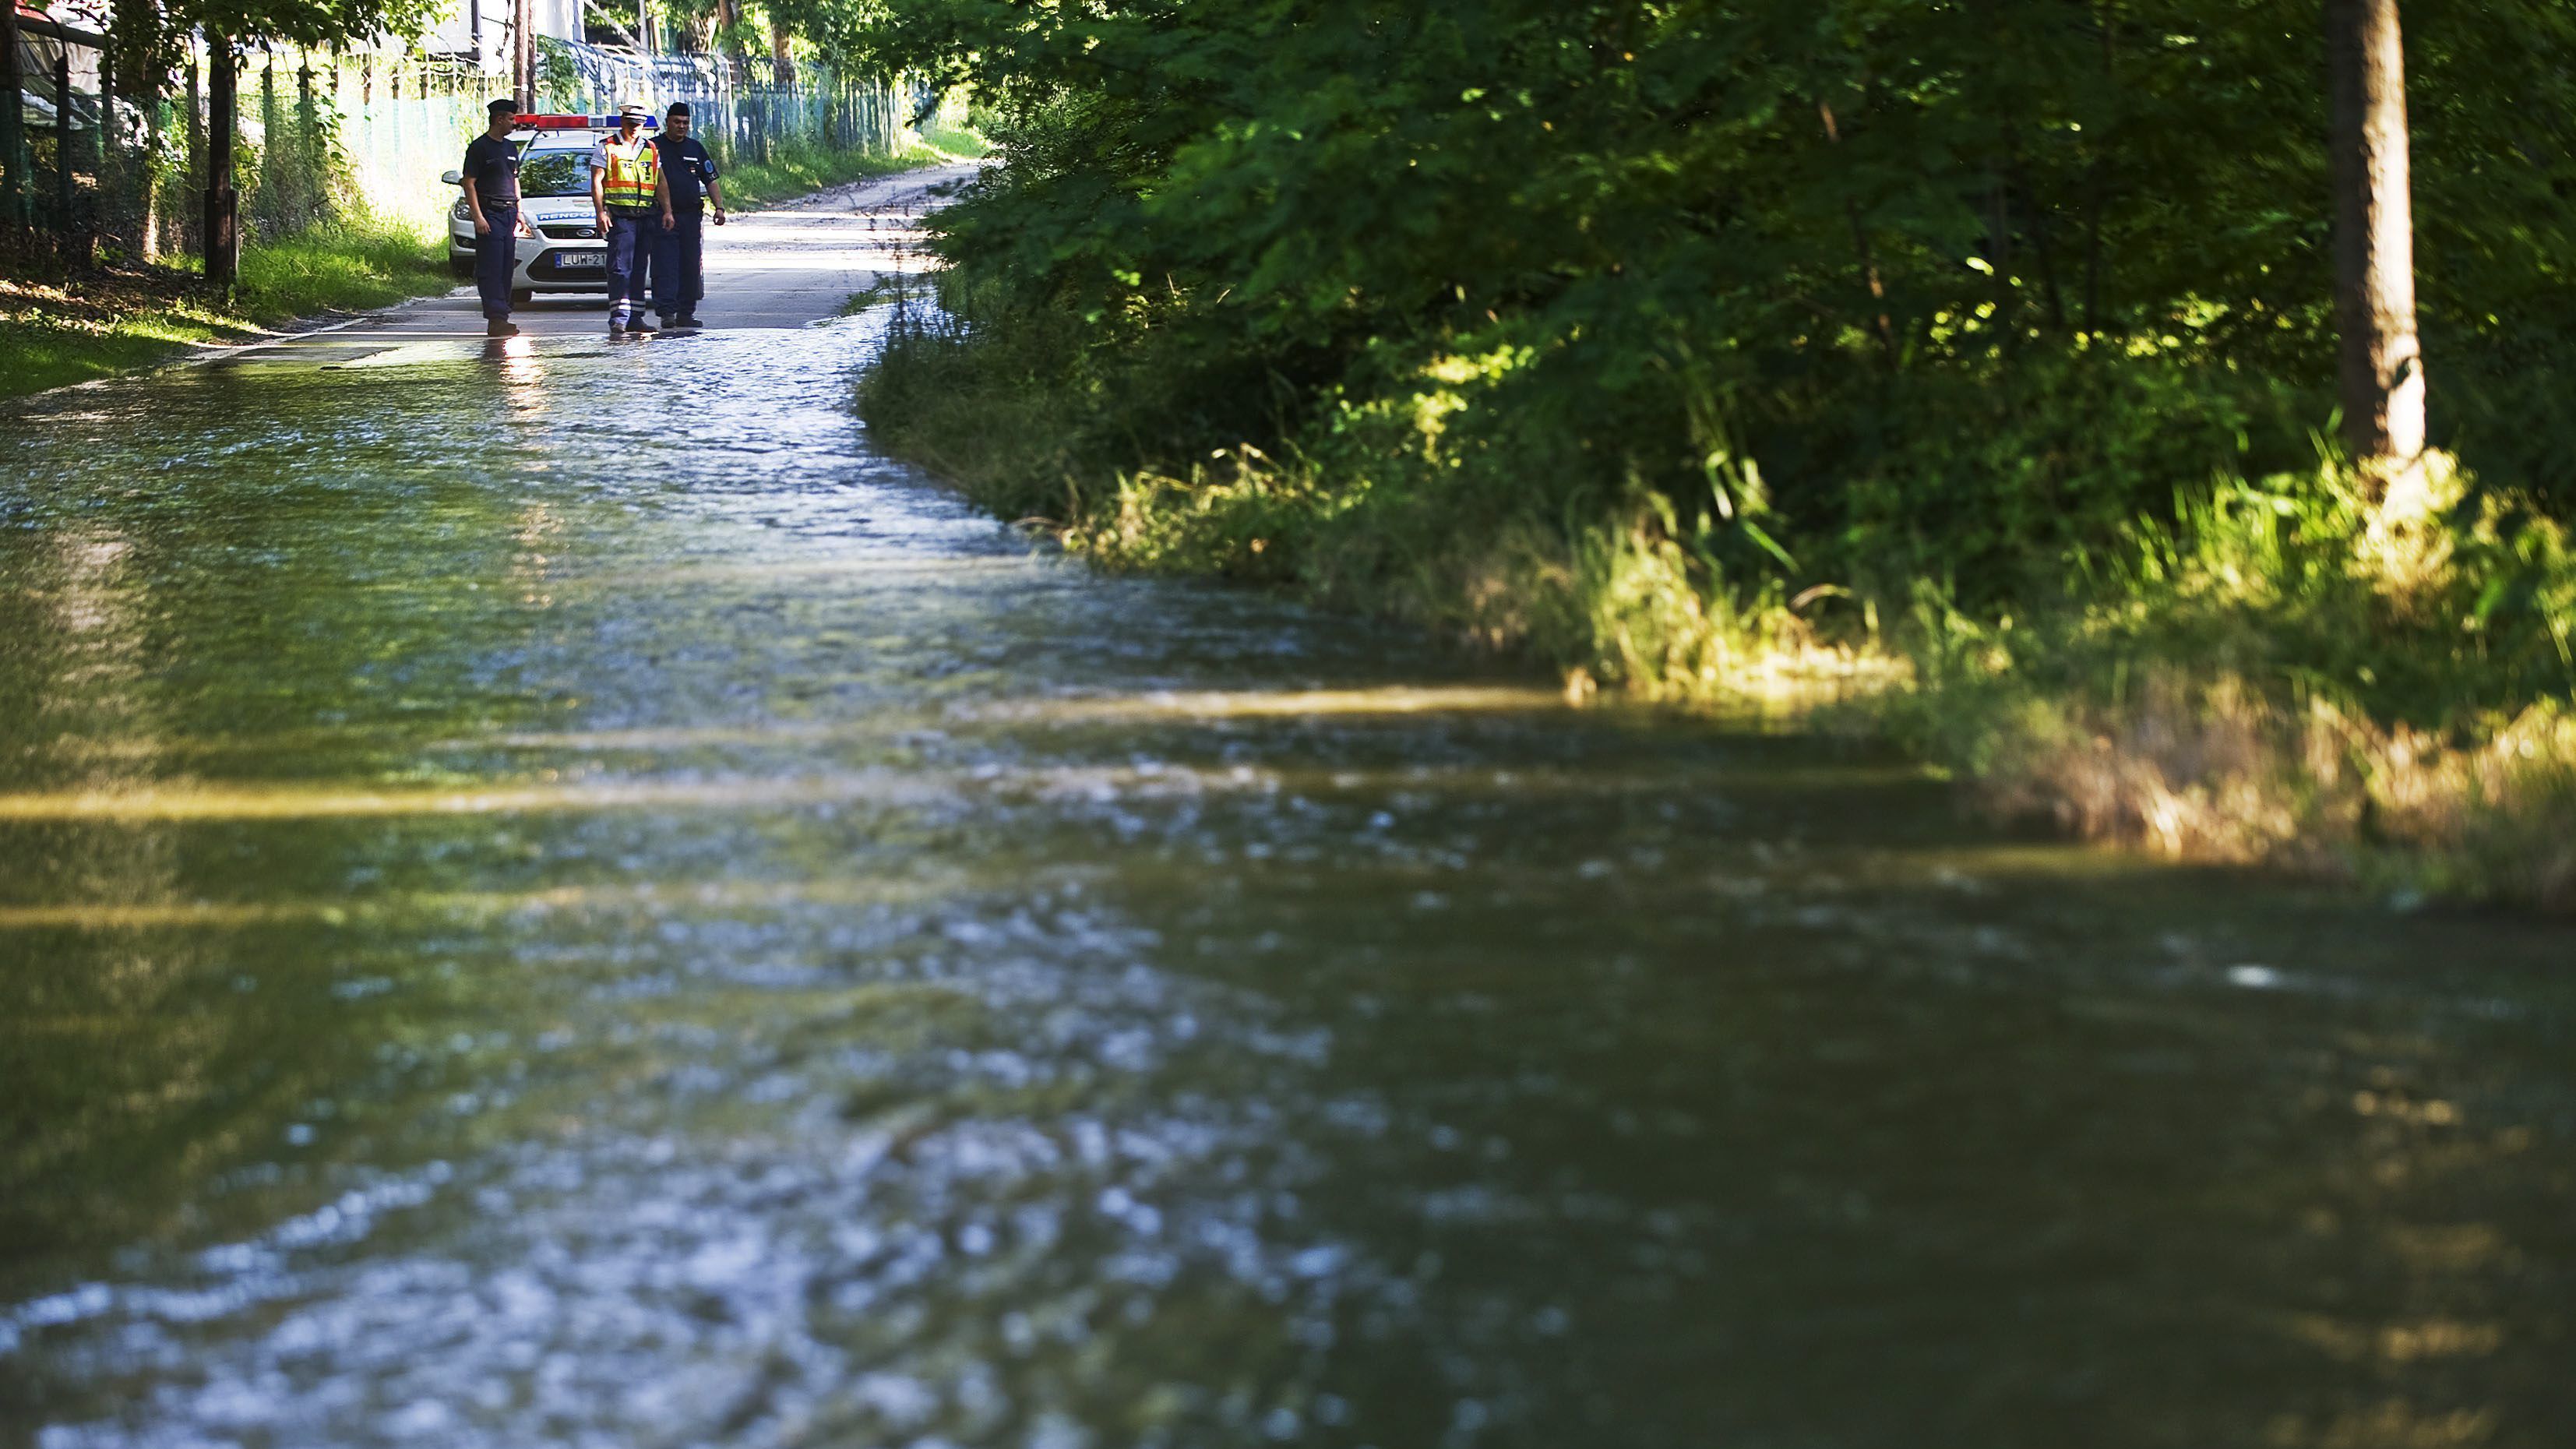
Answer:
(340, 266)
(54, 334)
(795, 168)
(2272, 670)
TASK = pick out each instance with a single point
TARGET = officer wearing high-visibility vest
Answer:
(634, 203)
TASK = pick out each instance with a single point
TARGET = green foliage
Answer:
(1650, 336)
(797, 165)
(2076, 214)
(114, 321)
(338, 266)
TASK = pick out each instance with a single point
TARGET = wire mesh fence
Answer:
(88, 165)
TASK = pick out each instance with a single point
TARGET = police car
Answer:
(560, 249)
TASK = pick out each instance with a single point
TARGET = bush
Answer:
(1692, 348)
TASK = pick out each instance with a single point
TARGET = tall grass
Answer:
(2285, 670)
(341, 264)
(53, 333)
(794, 168)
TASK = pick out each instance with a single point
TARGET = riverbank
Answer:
(105, 320)
(2285, 674)
(1913, 364)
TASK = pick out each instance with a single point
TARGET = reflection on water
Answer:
(522, 926)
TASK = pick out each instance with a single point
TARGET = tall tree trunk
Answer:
(729, 34)
(2374, 241)
(523, 53)
(13, 146)
(222, 230)
(781, 56)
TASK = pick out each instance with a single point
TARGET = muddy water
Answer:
(521, 926)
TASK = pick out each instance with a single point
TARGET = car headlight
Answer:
(460, 211)
(526, 230)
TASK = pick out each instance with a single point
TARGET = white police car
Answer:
(560, 249)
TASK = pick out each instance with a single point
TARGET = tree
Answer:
(523, 53)
(728, 35)
(2381, 358)
(150, 38)
(782, 50)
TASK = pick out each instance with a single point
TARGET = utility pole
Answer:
(2382, 358)
(223, 207)
(523, 53)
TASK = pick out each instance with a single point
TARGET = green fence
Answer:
(94, 166)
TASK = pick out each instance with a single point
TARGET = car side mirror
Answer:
(452, 178)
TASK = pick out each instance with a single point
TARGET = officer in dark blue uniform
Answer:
(679, 272)
(491, 182)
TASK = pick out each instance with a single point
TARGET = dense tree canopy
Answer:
(1891, 249)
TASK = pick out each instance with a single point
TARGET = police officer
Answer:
(628, 193)
(679, 273)
(491, 181)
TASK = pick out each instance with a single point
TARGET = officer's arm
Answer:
(599, 192)
(715, 192)
(474, 206)
(662, 192)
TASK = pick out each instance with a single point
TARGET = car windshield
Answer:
(556, 171)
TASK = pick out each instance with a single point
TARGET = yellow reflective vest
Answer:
(634, 173)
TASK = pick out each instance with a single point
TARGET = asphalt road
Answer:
(787, 266)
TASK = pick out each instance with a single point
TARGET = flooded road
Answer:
(554, 897)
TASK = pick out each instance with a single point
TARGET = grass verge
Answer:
(793, 169)
(109, 319)
(2288, 671)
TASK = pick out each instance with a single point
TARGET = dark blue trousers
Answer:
(496, 259)
(679, 273)
(633, 238)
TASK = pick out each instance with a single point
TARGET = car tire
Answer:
(459, 266)
(522, 298)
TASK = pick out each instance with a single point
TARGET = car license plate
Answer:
(581, 261)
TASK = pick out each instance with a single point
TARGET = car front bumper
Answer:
(546, 264)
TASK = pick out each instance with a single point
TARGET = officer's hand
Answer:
(719, 216)
(482, 227)
(602, 216)
(668, 219)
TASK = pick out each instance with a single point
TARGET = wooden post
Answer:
(64, 224)
(2382, 357)
(223, 206)
(105, 131)
(13, 150)
(195, 123)
(311, 164)
(103, 155)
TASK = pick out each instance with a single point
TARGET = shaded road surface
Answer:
(552, 896)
